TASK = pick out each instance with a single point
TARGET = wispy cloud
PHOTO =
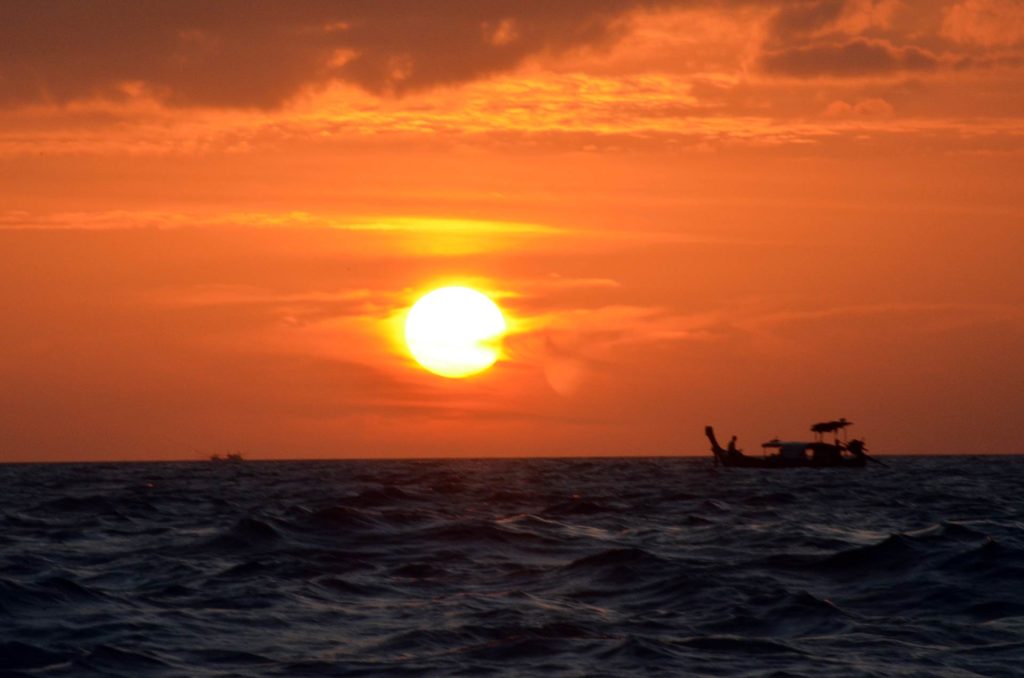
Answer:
(154, 219)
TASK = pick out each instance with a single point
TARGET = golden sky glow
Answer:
(215, 216)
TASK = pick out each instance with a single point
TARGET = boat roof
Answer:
(830, 426)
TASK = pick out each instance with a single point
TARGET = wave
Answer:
(740, 645)
(15, 655)
(578, 507)
(470, 567)
(247, 533)
(616, 558)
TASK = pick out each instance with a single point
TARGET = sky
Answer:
(750, 214)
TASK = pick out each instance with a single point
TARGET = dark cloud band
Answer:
(257, 54)
(851, 59)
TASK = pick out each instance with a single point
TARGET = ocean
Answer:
(560, 567)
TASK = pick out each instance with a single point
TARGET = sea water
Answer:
(602, 567)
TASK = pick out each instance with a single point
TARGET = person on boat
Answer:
(856, 447)
(732, 450)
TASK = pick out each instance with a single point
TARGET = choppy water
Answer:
(533, 567)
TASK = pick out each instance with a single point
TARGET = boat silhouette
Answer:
(797, 454)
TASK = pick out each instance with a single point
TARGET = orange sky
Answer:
(750, 214)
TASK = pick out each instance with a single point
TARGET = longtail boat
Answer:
(816, 453)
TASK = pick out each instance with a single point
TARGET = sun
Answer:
(454, 331)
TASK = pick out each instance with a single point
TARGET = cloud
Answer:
(677, 75)
(236, 53)
(856, 58)
(867, 107)
(572, 345)
(798, 18)
(989, 23)
(291, 308)
(897, 318)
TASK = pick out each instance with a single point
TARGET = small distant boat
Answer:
(233, 458)
(797, 454)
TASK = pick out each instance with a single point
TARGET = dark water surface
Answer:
(529, 567)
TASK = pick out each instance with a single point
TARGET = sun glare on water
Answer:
(454, 331)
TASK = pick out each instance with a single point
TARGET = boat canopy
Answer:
(830, 426)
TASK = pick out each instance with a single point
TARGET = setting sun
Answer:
(454, 331)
